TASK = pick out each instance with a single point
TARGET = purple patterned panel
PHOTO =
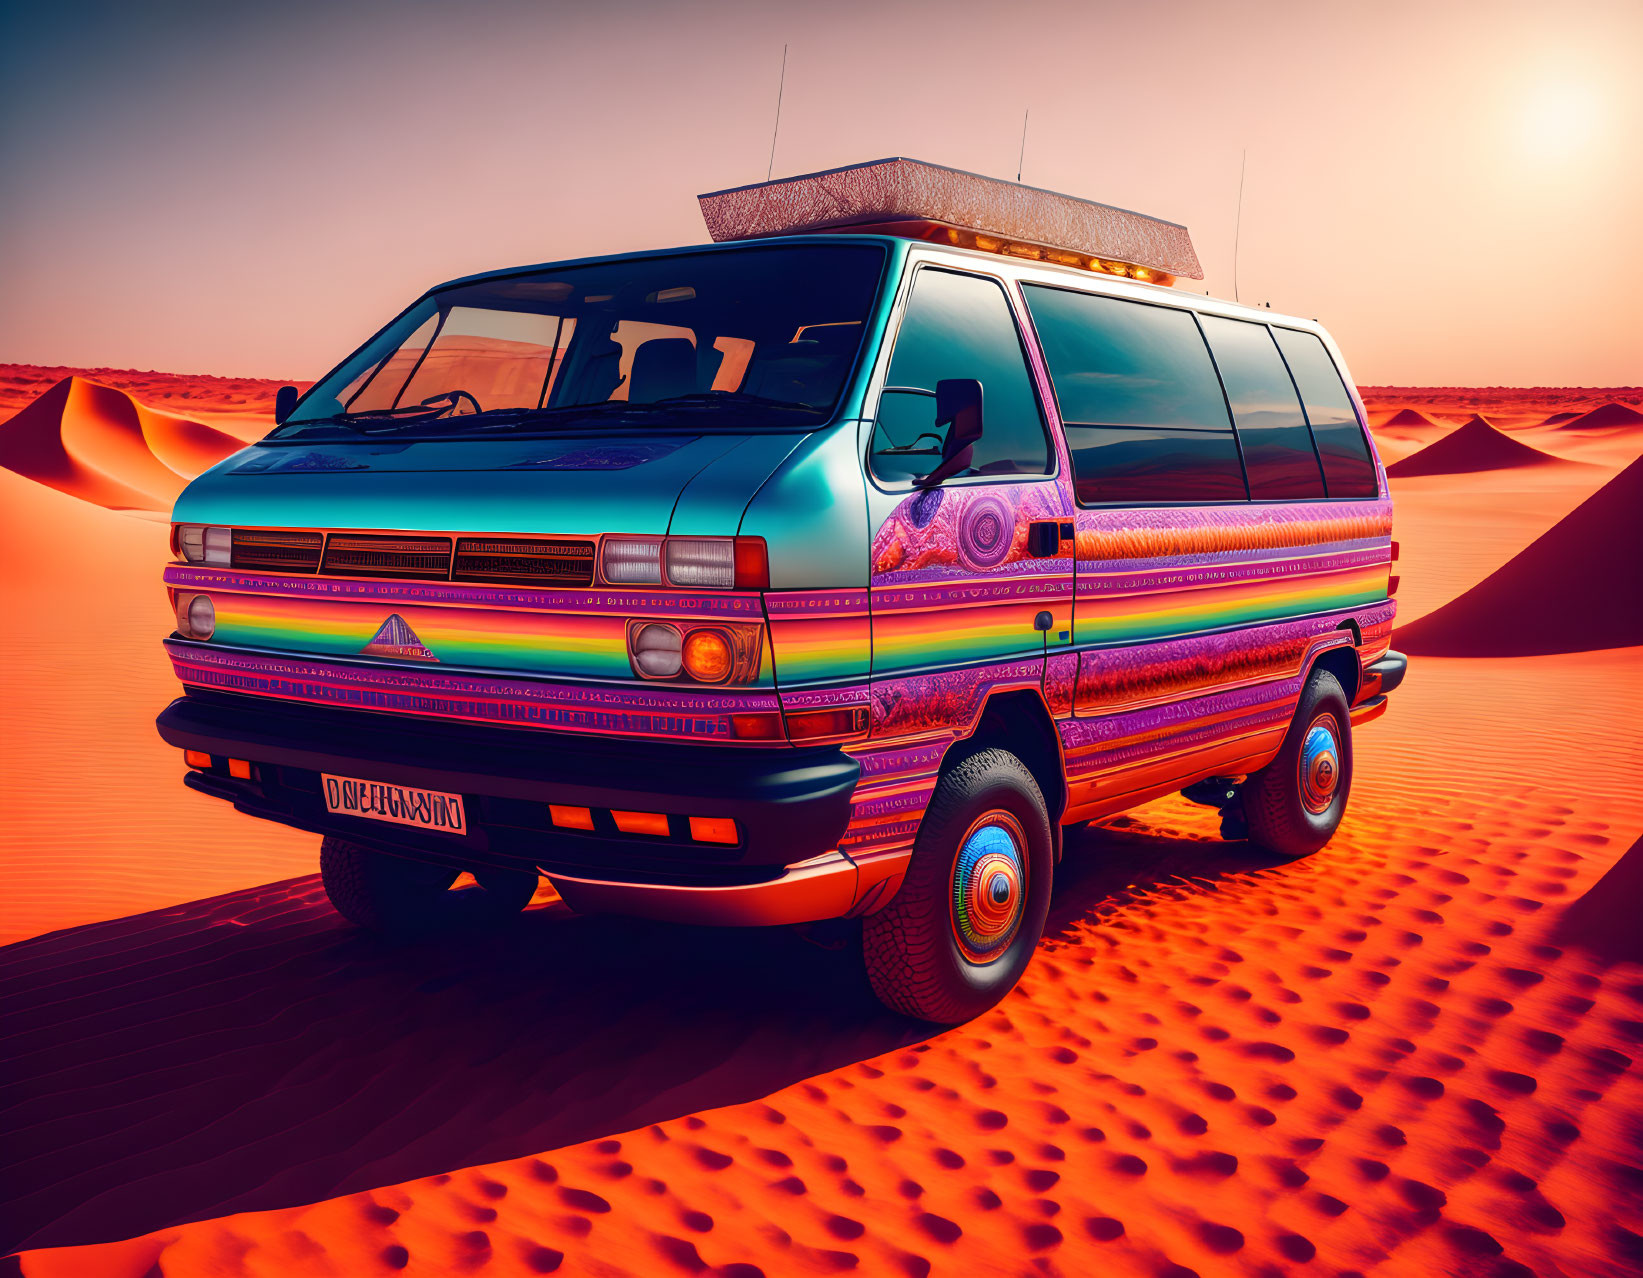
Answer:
(962, 531)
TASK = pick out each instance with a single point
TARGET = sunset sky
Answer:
(1454, 188)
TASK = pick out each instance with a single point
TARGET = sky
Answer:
(251, 189)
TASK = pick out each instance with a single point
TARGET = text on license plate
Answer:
(401, 804)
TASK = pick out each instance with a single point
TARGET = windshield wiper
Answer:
(729, 399)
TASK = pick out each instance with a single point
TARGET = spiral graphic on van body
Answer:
(985, 532)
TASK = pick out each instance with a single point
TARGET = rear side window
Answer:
(1139, 399)
(1348, 469)
(958, 326)
(1277, 446)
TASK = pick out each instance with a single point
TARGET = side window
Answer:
(1139, 399)
(1348, 469)
(958, 326)
(1277, 446)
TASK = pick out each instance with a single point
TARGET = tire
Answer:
(1294, 804)
(404, 898)
(942, 953)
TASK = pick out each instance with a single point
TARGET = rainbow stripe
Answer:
(570, 633)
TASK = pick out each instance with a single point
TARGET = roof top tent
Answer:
(950, 206)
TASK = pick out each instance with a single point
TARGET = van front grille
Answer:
(273, 550)
(523, 562)
(427, 558)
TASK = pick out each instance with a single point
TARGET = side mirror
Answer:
(958, 406)
(285, 399)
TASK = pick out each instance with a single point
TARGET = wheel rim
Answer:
(1319, 765)
(989, 886)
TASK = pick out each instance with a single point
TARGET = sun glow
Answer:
(1560, 118)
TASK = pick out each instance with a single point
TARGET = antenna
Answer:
(1238, 226)
(780, 87)
(1021, 157)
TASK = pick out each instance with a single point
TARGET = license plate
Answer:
(400, 804)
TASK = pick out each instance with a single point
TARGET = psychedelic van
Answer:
(831, 570)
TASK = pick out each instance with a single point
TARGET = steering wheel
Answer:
(452, 398)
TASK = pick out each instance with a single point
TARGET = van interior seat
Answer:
(796, 372)
(662, 368)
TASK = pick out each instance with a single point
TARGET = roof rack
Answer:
(922, 201)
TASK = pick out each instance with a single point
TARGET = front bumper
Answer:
(791, 805)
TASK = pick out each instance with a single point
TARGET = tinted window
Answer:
(1271, 427)
(1135, 464)
(1139, 399)
(1348, 469)
(958, 326)
(1118, 363)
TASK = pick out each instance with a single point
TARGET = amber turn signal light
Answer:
(240, 768)
(707, 656)
(713, 830)
(641, 823)
(196, 758)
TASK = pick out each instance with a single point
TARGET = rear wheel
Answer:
(963, 927)
(401, 897)
(1294, 804)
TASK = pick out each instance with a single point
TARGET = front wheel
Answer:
(963, 927)
(1294, 804)
(406, 898)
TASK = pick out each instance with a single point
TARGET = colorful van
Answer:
(829, 571)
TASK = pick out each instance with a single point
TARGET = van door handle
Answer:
(1043, 621)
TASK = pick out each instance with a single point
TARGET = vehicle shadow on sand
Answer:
(253, 1051)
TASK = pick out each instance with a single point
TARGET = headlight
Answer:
(629, 561)
(197, 544)
(656, 650)
(701, 562)
(692, 563)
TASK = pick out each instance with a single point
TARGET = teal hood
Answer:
(563, 485)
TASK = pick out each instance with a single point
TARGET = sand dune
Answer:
(99, 444)
(1383, 1059)
(1605, 415)
(1576, 588)
(1403, 1055)
(1557, 419)
(1406, 417)
(1478, 445)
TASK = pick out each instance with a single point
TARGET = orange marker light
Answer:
(641, 823)
(196, 758)
(843, 722)
(707, 656)
(570, 818)
(757, 727)
(713, 830)
(240, 768)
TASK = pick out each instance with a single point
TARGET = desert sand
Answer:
(1412, 1053)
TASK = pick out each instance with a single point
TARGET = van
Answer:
(828, 571)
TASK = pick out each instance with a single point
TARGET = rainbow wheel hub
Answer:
(1320, 764)
(989, 887)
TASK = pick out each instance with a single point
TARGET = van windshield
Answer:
(756, 336)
